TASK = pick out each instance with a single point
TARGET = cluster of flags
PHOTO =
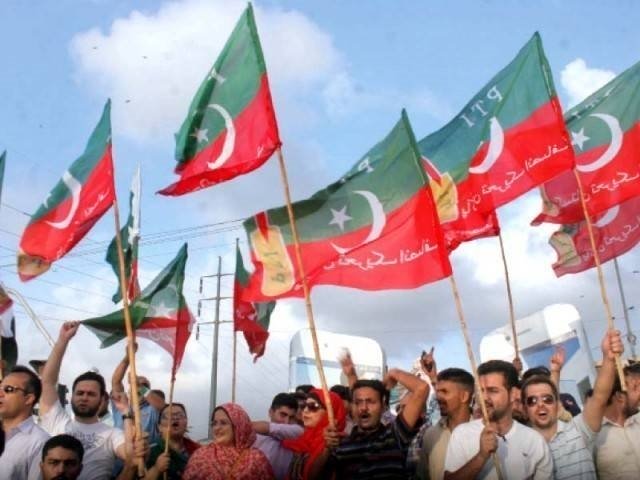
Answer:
(391, 221)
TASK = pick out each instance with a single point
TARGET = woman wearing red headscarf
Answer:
(230, 456)
(310, 444)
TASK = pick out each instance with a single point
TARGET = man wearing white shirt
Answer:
(19, 392)
(521, 451)
(618, 442)
(102, 444)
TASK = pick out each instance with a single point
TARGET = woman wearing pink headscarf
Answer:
(310, 444)
(230, 456)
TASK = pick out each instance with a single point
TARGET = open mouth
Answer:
(175, 424)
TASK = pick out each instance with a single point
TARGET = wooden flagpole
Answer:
(512, 315)
(631, 338)
(305, 288)
(166, 435)
(133, 376)
(235, 344)
(472, 361)
(458, 302)
(233, 375)
(603, 290)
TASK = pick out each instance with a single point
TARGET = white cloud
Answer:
(580, 81)
(151, 64)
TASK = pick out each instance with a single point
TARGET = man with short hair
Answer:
(282, 425)
(19, 391)
(454, 393)
(618, 442)
(62, 458)
(148, 413)
(572, 442)
(521, 451)
(372, 449)
(102, 444)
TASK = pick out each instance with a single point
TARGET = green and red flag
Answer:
(160, 313)
(130, 237)
(252, 319)
(9, 353)
(83, 194)
(508, 139)
(606, 136)
(231, 126)
(616, 231)
(455, 228)
(375, 228)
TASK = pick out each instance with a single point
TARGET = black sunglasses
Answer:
(546, 399)
(312, 406)
(12, 389)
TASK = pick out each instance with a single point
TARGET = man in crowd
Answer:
(102, 444)
(572, 442)
(282, 425)
(618, 442)
(62, 458)
(148, 413)
(372, 449)
(521, 451)
(19, 391)
(454, 393)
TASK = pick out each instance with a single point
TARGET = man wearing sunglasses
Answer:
(572, 442)
(19, 392)
(521, 451)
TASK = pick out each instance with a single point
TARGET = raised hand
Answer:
(68, 331)
(557, 359)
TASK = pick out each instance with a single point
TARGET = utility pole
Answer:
(216, 328)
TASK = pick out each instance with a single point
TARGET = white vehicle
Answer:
(538, 336)
(367, 355)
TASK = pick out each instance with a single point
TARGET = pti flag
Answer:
(130, 237)
(83, 194)
(231, 126)
(616, 231)
(508, 139)
(252, 319)
(606, 137)
(375, 228)
(160, 313)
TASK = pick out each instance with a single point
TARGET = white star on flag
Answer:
(339, 217)
(201, 135)
(578, 138)
(160, 310)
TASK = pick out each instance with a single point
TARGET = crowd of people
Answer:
(519, 426)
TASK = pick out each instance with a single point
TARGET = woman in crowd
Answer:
(230, 456)
(180, 447)
(310, 444)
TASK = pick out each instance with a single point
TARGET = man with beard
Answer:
(373, 449)
(618, 442)
(454, 393)
(572, 442)
(102, 444)
(61, 458)
(521, 451)
(19, 392)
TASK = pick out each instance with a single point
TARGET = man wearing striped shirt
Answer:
(572, 442)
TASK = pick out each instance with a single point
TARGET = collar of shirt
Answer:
(25, 427)
(627, 423)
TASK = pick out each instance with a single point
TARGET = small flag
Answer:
(130, 237)
(76, 203)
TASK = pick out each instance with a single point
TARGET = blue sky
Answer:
(340, 72)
